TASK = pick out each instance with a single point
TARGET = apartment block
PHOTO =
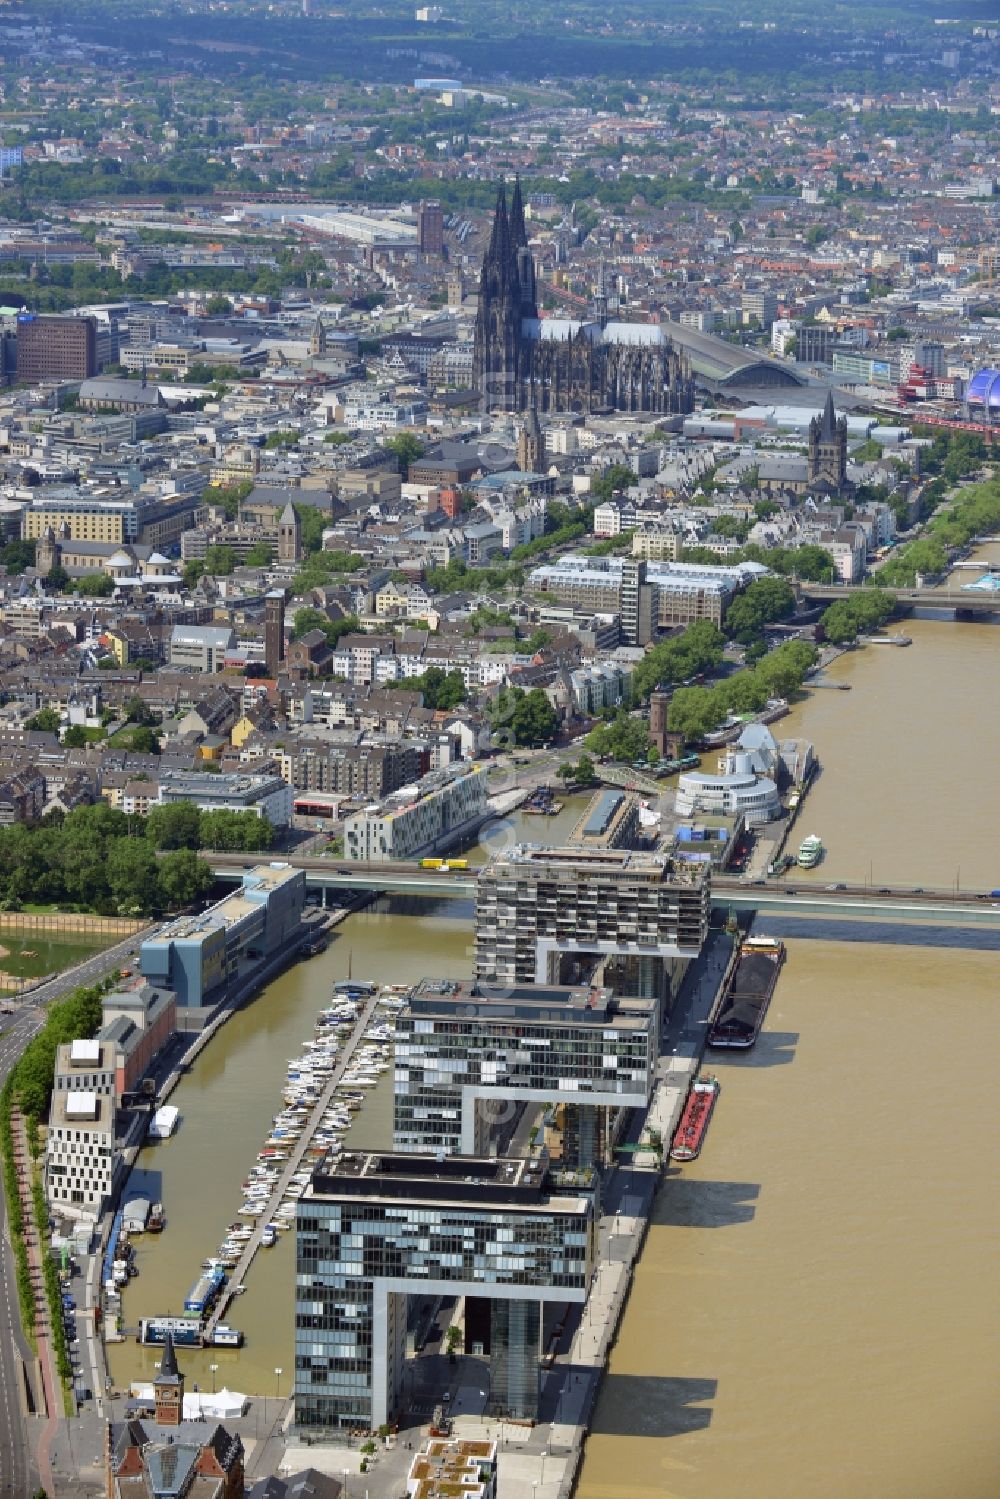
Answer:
(419, 818)
(81, 1163)
(543, 915)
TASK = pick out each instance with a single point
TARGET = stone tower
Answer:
(168, 1388)
(289, 535)
(274, 631)
(827, 461)
(317, 340)
(531, 445)
(506, 296)
(47, 552)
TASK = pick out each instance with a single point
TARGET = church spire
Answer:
(168, 1363)
(499, 250)
(518, 233)
(828, 427)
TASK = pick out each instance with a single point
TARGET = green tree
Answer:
(309, 618)
(174, 825)
(16, 556)
(615, 478)
(586, 771)
(219, 561)
(57, 580)
(624, 738)
(695, 712)
(75, 737)
(183, 877)
(762, 603)
(191, 572)
(218, 306)
(46, 720)
(232, 832)
(407, 449)
(441, 689)
(133, 879)
(524, 718)
(260, 555)
(95, 585)
(137, 710)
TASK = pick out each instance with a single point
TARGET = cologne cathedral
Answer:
(524, 362)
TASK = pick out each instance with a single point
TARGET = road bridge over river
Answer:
(947, 600)
(931, 907)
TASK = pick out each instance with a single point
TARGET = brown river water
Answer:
(817, 1309)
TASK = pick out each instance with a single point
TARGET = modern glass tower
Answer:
(466, 1050)
(373, 1229)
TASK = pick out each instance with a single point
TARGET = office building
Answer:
(81, 1163)
(759, 307)
(636, 602)
(420, 818)
(274, 631)
(430, 229)
(198, 957)
(679, 592)
(609, 820)
(200, 648)
(138, 1022)
(656, 546)
(550, 915)
(361, 770)
(467, 1051)
(55, 348)
(265, 795)
(814, 344)
(73, 517)
(373, 1229)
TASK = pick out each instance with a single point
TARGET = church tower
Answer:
(827, 460)
(168, 1388)
(317, 340)
(289, 535)
(47, 552)
(497, 344)
(531, 445)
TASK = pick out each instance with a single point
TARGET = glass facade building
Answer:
(538, 910)
(372, 1229)
(465, 1049)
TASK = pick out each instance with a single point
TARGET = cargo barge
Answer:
(690, 1133)
(744, 1003)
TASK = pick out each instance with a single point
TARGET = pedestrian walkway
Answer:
(46, 1353)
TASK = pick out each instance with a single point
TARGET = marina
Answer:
(310, 1127)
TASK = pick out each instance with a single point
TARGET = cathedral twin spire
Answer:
(508, 269)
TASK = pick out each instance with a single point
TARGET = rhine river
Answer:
(817, 1311)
